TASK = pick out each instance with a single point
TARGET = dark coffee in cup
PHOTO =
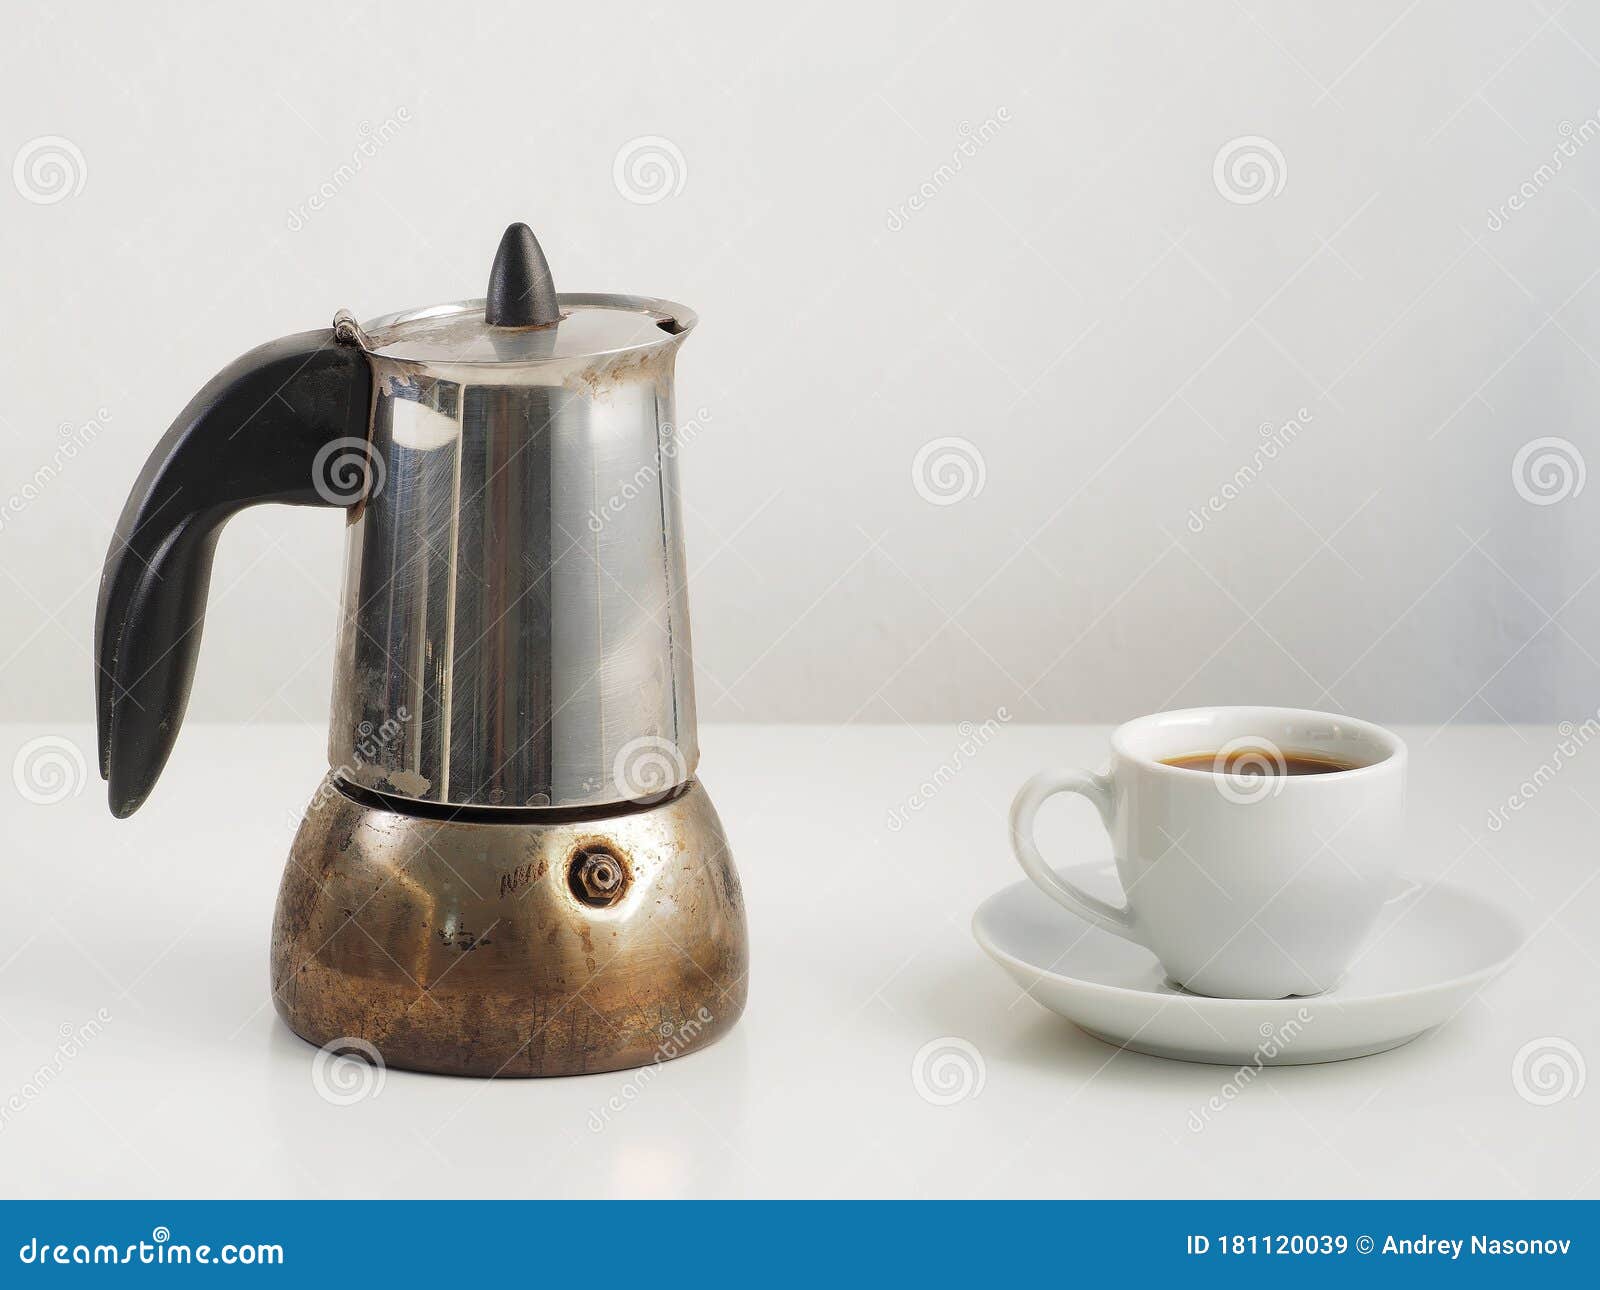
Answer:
(1250, 762)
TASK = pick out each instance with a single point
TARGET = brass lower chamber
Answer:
(500, 944)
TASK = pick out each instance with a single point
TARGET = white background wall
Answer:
(1080, 300)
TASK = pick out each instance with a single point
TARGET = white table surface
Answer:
(861, 954)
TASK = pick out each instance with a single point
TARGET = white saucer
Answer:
(1434, 947)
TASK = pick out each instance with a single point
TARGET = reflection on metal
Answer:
(463, 947)
(530, 647)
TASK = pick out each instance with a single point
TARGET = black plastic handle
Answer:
(265, 429)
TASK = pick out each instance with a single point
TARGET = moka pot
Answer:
(511, 867)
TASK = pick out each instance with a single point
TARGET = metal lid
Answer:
(590, 325)
(523, 319)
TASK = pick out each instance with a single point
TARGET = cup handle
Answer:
(1046, 784)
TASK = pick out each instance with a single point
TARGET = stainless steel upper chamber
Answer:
(515, 629)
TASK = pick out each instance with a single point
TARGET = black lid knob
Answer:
(521, 291)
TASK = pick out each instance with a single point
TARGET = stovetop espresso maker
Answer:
(511, 868)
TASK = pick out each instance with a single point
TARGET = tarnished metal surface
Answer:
(511, 949)
(515, 602)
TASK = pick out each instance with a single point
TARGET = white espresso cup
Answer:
(1248, 883)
